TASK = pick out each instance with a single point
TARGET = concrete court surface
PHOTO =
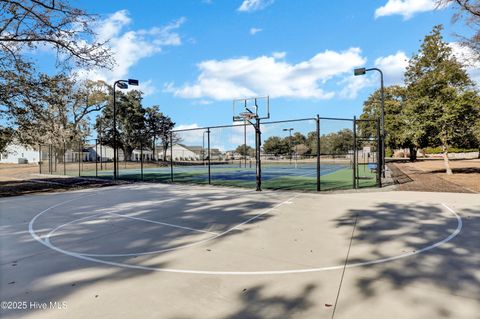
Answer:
(180, 251)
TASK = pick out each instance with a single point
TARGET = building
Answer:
(20, 154)
(147, 155)
(179, 152)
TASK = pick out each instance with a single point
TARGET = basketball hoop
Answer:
(247, 116)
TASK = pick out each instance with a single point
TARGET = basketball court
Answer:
(183, 251)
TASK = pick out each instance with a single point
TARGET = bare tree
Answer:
(29, 24)
(467, 11)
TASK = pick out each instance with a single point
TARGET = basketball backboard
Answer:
(251, 108)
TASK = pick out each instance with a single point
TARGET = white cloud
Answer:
(405, 8)
(254, 31)
(254, 5)
(393, 67)
(354, 84)
(190, 138)
(279, 55)
(469, 58)
(131, 46)
(268, 75)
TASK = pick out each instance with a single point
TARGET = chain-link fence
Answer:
(303, 154)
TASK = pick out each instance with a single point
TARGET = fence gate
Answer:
(367, 171)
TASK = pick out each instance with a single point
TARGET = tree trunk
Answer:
(413, 153)
(446, 161)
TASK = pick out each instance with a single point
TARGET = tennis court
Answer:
(294, 176)
(183, 251)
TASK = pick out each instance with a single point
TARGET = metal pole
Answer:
(318, 153)
(96, 158)
(209, 160)
(245, 143)
(203, 148)
(141, 160)
(354, 152)
(379, 174)
(257, 151)
(171, 156)
(290, 145)
(114, 134)
(383, 122)
(50, 159)
(40, 158)
(79, 159)
(64, 159)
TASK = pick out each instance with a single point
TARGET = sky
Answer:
(193, 57)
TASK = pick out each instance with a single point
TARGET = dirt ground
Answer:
(24, 179)
(429, 175)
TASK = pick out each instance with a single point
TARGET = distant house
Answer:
(146, 153)
(20, 154)
(103, 153)
(180, 152)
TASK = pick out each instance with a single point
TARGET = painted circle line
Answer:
(236, 273)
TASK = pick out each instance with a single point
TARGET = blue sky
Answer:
(194, 56)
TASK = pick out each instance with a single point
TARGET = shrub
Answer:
(439, 150)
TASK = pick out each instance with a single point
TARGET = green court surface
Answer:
(280, 177)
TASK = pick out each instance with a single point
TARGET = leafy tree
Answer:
(31, 24)
(311, 142)
(340, 142)
(441, 102)
(6, 137)
(56, 110)
(398, 133)
(132, 131)
(276, 145)
(158, 126)
(245, 150)
(298, 138)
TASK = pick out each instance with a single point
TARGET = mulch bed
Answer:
(409, 178)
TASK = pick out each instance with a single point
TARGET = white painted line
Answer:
(47, 241)
(238, 273)
(161, 223)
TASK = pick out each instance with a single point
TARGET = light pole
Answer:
(362, 71)
(122, 84)
(289, 142)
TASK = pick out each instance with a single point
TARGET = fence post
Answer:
(318, 153)
(96, 157)
(79, 158)
(379, 156)
(64, 159)
(101, 155)
(171, 156)
(258, 141)
(50, 159)
(355, 152)
(141, 160)
(208, 156)
(40, 158)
